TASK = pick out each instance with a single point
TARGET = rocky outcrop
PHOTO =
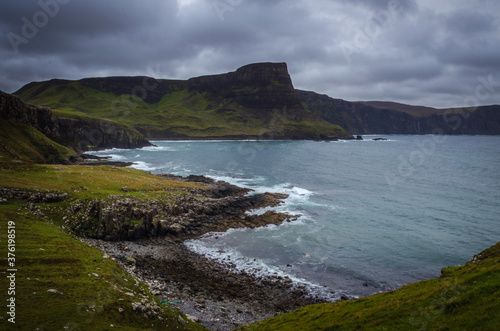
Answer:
(260, 86)
(31, 196)
(79, 134)
(13, 109)
(256, 99)
(361, 118)
(91, 134)
(217, 209)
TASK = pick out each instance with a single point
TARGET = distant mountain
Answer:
(415, 111)
(378, 117)
(256, 101)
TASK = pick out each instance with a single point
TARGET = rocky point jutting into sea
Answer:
(211, 293)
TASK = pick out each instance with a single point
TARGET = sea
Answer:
(374, 214)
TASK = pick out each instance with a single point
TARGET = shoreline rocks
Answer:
(218, 297)
(217, 208)
(215, 294)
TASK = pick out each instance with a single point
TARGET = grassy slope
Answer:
(417, 111)
(463, 298)
(85, 182)
(180, 113)
(24, 143)
(48, 258)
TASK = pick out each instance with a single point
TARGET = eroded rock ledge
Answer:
(146, 236)
(219, 207)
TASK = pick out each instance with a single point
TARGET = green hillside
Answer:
(62, 283)
(22, 143)
(255, 101)
(463, 298)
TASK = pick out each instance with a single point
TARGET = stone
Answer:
(55, 291)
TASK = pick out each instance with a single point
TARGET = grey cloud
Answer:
(429, 53)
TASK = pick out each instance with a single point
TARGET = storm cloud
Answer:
(422, 52)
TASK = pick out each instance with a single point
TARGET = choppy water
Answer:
(376, 213)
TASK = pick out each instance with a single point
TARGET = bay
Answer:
(375, 214)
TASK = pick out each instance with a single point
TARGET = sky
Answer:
(422, 52)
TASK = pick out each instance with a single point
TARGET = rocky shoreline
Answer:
(211, 293)
(207, 291)
(147, 237)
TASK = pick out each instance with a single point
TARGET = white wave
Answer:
(234, 261)
(107, 151)
(143, 166)
(297, 196)
(113, 157)
(159, 149)
(249, 183)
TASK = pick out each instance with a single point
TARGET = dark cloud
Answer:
(419, 52)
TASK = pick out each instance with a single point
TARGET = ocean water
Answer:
(375, 215)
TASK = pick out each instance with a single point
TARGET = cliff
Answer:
(33, 134)
(394, 118)
(256, 101)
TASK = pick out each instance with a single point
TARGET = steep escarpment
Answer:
(358, 118)
(33, 133)
(263, 86)
(85, 134)
(393, 118)
(256, 101)
(30, 134)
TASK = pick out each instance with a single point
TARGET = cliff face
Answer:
(13, 109)
(257, 86)
(78, 134)
(361, 118)
(255, 101)
(90, 134)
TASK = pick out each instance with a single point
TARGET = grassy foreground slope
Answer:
(60, 282)
(89, 182)
(463, 298)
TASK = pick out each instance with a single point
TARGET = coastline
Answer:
(210, 293)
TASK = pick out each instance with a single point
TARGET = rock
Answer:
(358, 137)
(181, 321)
(193, 318)
(55, 291)
(379, 139)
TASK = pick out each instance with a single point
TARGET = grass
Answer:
(96, 291)
(94, 288)
(179, 113)
(85, 181)
(463, 298)
(23, 143)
